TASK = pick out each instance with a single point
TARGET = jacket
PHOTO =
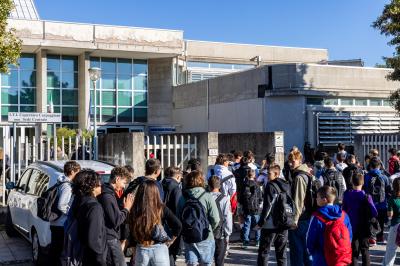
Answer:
(240, 175)
(392, 162)
(114, 217)
(92, 231)
(354, 203)
(172, 192)
(385, 180)
(222, 172)
(209, 206)
(348, 173)
(315, 234)
(299, 191)
(225, 206)
(65, 198)
(252, 197)
(133, 185)
(340, 181)
(270, 193)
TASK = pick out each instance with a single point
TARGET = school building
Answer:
(154, 80)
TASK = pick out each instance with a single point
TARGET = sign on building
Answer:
(18, 117)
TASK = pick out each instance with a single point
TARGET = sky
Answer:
(341, 26)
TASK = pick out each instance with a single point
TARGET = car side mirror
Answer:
(10, 185)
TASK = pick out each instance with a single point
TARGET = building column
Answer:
(83, 90)
(41, 87)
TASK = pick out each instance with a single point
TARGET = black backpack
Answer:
(376, 189)
(284, 209)
(331, 178)
(47, 204)
(194, 220)
(396, 168)
(313, 184)
(369, 227)
(219, 231)
(251, 197)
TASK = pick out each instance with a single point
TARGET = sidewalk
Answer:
(13, 250)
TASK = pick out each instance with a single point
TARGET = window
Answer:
(348, 102)
(18, 87)
(42, 184)
(314, 101)
(33, 181)
(331, 101)
(122, 87)
(24, 180)
(375, 102)
(62, 87)
(361, 102)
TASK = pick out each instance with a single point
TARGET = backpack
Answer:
(194, 220)
(337, 243)
(233, 197)
(313, 184)
(396, 167)
(370, 226)
(219, 231)
(251, 198)
(376, 188)
(47, 204)
(331, 178)
(284, 210)
(72, 253)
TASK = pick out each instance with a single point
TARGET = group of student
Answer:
(327, 212)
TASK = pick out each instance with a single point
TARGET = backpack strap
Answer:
(212, 171)
(226, 178)
(276, 187)
(320, 217)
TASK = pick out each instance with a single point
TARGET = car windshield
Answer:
(105, 178)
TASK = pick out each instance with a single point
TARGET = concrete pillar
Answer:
(41, 85)
(311, 128)
(207, 144)
(83, 90)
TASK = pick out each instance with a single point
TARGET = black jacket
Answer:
(114, 217)
(133, 185)
(172, 193)
(269, 192)
(348, 174)
(240, 175)
(91, 229)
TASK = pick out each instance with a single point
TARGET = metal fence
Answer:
(18, 153)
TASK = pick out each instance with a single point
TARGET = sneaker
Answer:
(372, 242)
(245, 244)
(257, 243)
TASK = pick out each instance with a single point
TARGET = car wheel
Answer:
(37, 254)
(10, 230)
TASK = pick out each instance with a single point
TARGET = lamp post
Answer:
(95, 74)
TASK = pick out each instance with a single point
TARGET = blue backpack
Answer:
(194, 220)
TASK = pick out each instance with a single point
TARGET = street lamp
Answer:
(95, 74)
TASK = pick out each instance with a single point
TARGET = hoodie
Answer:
(385, 180)
(172, 193)
(209, 205)
(315, 234)
(65, 199)
(225, 206)
(229, 186)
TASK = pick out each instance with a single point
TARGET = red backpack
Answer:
(337, 243)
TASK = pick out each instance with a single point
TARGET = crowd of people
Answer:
(328, 211)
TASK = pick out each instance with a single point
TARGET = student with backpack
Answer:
(351, 170)
(88, 244)
(334, 178)
(394, 233)
(394, 162)
(61, 206)
(114, 217)
(224, 229)
(251, 201)
(199, 216)
(173, 192)
(304, 187)
(329, 235)
(340, 162)
(361, 209)
(377, 185)
(147, 217)
(275, 220)
(221, 170)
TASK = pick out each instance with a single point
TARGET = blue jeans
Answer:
(200, 253)
(299, 255)
(250, 221)
(154, 255)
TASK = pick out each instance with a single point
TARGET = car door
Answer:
(29, 198)
(17, 201)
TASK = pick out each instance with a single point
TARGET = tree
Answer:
(10, 45)
(389, 25)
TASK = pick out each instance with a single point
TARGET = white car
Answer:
(22, 201)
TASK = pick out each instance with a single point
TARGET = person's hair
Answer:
(374, 152)
(340, 157)
(328, 162)
(221, 159)
(214, 182)
(84, 183)
(172, 171)
(341, 146)
(320, 156)
(295, 154)
(152, 166)
(393, 151)
(350, 157)
(244, 161)
(357, 179)
(251, 173)
(130, 170)
(367, 157)
(146, 212)
(194, 179)
(230, 157)
(275, 168)
(71, 166)
(396, 187)
(237, 154)
(193, 164)
(270, 157)
(118, 171)
(249, 154)
(328, 193)
(374, 163)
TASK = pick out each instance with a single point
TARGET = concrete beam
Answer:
(83, 90)
(41, 86)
